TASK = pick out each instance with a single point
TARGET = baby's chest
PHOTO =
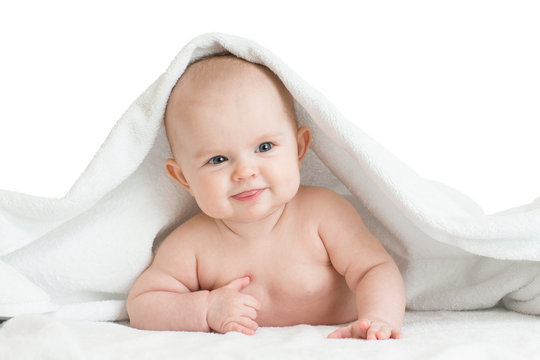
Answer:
(286, 265)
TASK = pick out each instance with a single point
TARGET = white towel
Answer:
(440, 335)
(79, 255)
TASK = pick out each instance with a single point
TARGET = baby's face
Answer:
(237, 149)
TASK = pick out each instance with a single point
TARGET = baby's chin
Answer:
(246, 216)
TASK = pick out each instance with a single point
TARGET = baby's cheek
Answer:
(208, 194)
(289, 178)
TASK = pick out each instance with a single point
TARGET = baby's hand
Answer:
(367, 329)
(230, 310)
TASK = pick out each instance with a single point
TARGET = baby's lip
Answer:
(248, 195)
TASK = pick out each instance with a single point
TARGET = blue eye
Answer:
(265, 146)
(217, 160)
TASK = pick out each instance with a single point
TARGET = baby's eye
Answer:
(265, 146)
(217, 160)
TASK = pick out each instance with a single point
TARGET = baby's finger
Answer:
(364, 323)
(384, 333)
(252, 302)
(374, 331)
(239, 284)
(249, 312)
(248, 323)
(234, 326)
(341, 333)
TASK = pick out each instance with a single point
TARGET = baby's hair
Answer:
(216, 55)
(201, 66)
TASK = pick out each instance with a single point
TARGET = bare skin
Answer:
(264, 251)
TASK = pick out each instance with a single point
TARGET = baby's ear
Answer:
(303, 140)
(174, 171)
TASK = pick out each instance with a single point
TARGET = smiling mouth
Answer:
(248, 195)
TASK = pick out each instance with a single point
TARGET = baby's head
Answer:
(232, 129)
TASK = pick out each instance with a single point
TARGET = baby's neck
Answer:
(252, 230)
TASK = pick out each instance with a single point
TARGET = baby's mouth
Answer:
(248, 195)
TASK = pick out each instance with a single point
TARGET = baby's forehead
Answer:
(222, 74)
(216, 76)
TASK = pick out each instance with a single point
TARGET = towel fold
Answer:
(79, 255)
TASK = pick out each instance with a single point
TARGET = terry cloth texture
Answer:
(78, 255)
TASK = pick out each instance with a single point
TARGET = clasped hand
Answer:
(231, 310)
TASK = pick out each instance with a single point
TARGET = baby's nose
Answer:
(244, 170)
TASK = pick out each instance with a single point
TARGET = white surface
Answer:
(451, 89)
(493, 334)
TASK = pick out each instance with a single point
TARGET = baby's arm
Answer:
(368, 269)
(167, 296)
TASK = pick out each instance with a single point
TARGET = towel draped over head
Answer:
(78, 255)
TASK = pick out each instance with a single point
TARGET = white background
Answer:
(452, 88)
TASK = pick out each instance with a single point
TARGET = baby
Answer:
(264, 251)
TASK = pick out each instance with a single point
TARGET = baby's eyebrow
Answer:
(269, 136)
(205, 153)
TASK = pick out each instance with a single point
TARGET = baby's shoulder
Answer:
(319, 200)
(188, 235)
(318, 196)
